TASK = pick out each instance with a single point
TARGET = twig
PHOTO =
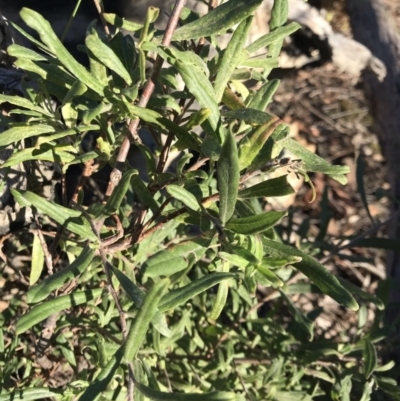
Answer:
(365, 234)
(106, 266)
(198, 164)
(47, 255)
(248, 396)
(103, 21)
(148, 90)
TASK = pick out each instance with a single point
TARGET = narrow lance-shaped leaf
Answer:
(106, 55)
(359, 293)
(184, 196)
(162, 396)
(279, 13)
(250, 116)
(22, 102)
(274, 187)
(304, 322)
(252, 144)
(228, 178)
(269, 275)
(55, 281)
(22, 52)
(153, 117)
(35, 21)
(200, 87)
(119, 22)
(181, 295)
(30, 394)
(255, 224)
(325, 280)
(275, 35)
(222, 294)
(138, 296)
(264, 95)
(105, 376)
(117, 196)
(360, 173)
(58, 154)
(315, 163)
(44, 310)
(71, 219)
(370, 358)
(231, 57)
(77, 89)
(15, 134)
(218, 20)
(174, 258)
(37, 260)
(143, 193)
(139, 327)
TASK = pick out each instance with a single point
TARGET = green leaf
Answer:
(231, 57)
(234, 260)
(35, 21)
(228, 178)
(25, 103)
(200, 87)
(381, 243)
(370, 358)
(255, 224)
(69, 218)
(184, 196)
(119, 22)
(138, 296)
(37, 262)
(18, 51)
(274, 187)
(260, 62)
(174, 258)
(360, 173)
(270, 276)
(55, 281)
(101, 381)
(181, 295)
(251, 145)
(359, 293)
(263, 96)
(62, 134)
(279, 13)
(15, 134)
(325, 280)
(43, 311)
(315, 163)
(143, 193)
(162, 396)
(139, 327)
(57, 154)
(106, 55)
(117, 196)
(153, 117)
(218, 20)
(304, 322)
(29, 394)
(77, 89)
(275, 35)
(250, 116)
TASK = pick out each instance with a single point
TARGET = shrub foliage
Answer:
(148, 292)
